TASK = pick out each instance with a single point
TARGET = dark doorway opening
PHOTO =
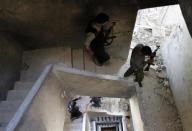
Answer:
(108, 129)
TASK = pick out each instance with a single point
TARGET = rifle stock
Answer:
(109, 39)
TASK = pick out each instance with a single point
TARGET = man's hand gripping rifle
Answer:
(151, 59)
(109, 36)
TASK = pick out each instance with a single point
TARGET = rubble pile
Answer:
(164, 90)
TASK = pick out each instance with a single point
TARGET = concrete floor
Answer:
(160, 112)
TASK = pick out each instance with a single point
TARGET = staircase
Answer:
(36, 60)
(14, 99)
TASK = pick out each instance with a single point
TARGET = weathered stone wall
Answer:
(10, 64)
(178, 60)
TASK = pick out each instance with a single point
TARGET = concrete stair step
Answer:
(29, 75)
(7, 111)
(17, 94)
(109, 118)
(10, 105)
(38, 59)
(49, 55)
(9, 108)
(78, 60)
(5, 117)
(23, 85)
(2, 128)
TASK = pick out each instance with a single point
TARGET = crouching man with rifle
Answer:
(137, 62)
(109, 34)
(97, 38)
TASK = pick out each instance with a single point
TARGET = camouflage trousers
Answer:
(138, 72)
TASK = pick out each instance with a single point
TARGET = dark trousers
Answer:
(101, 55)
(139, 75)
(75, 113)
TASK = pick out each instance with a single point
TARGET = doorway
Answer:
(108, 129)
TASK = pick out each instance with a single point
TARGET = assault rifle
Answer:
(109, 36)
(151, 58)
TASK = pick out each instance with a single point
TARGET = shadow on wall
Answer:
(55, 23)
(10, 63)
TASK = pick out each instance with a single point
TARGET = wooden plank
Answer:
(89, 65)
(67, 57)
(114, 66)
(77, 59)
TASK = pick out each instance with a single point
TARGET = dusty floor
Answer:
(158, 105)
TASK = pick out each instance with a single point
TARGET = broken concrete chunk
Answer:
(162, 75)
(154, 67)
(166, 83)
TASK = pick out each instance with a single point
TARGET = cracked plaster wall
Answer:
(177, 56)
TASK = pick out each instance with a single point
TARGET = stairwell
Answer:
(34, 62)
(11, 104)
